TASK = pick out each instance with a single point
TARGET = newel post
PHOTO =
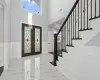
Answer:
(55, 56)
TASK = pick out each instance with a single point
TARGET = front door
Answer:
(31, 40)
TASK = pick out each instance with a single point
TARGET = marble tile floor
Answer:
(36, 67)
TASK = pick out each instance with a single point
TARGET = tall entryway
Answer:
(31, 40)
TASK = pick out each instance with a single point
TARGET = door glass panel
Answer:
(27, 40)
(37, 40)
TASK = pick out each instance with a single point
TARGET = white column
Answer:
(5, 39)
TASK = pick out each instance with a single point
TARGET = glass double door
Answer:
(31, 40)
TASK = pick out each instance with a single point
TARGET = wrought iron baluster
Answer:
(78, 20)
(95, 8)
(75, 23)
(69, 31)
(62, 39)
(84, 14)
(81, 15)
(99, 8)
(87, 15)
(91, 9)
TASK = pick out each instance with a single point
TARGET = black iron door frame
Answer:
(32, 40)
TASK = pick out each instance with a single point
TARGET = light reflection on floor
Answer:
(32, 68)
(27, 69)
(37, 68)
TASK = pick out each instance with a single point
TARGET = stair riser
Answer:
(80, 63)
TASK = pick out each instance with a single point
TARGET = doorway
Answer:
(31, 40)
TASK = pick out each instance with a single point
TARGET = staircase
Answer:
(76, 53)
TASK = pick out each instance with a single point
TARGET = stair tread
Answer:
(77, 39)
(60, 55)
(64, 51)
(94, 17)
(70, 45)
(86, 29)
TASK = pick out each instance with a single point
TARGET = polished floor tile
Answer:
(32, 68)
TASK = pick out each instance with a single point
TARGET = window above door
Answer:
(33, 6)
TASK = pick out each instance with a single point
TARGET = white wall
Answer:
(55, 6)
(50, 41)
(1, 36)
(7, 28)
(95, 41)
(18, 16)
(6, 7)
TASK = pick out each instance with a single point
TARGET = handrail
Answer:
(68, 16)
(80, 12)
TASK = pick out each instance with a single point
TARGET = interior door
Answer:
(31, 40)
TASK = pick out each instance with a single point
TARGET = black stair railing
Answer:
(99, 8)
(77, 20)
(95, 9)
(60, 37)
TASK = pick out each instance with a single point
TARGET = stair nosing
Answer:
(70, 45)
(86, 29)
(77, 39)
(94, 18)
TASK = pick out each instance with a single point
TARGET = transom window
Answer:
(32, 6)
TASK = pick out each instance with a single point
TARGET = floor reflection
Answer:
(37, 68)
(28, 68)
(32, 68)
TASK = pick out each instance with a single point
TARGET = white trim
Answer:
(15, 50)
(5, 38)
(2, 43)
